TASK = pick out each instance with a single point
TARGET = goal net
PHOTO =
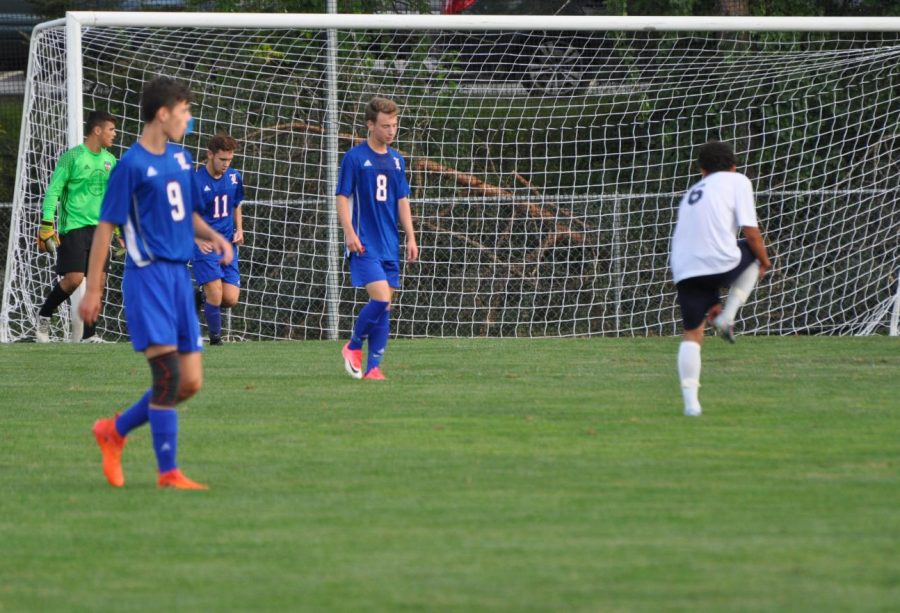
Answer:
(546, 158)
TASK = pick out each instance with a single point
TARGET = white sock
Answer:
(689, 373)
(739, 292)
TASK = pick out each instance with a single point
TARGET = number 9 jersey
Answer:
(374, 182)
(153, 198)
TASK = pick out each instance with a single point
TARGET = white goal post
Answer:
(546, 157)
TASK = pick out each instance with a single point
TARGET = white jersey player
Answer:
(707, 256)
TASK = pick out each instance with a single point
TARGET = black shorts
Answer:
(75, 250)
(697, 295)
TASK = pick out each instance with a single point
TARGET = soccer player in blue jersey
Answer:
(222, 191)
(372, 196)
(153, 197)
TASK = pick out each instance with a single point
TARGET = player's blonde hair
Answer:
(380, 105)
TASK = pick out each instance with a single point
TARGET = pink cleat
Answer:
(375, 375)
(352, 361)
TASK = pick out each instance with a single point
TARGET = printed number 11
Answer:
(224, 212)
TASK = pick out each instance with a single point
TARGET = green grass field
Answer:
(486, 474)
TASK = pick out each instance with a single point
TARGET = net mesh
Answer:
(545, 169)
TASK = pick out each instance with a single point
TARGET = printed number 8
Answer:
(173, 190)
(381, 188)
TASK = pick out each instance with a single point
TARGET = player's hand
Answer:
(47, 233)
(412, 249)
(89, 308)
(763, 269)
(204, 245)
(223, 247)
(238, 237)
(354, 245)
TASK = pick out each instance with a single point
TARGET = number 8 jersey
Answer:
(153, 198)
(374, 182)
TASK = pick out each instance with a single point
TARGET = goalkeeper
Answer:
(77, 188)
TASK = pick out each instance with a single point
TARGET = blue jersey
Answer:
(153, 198)
(220, 198)
(374, 182)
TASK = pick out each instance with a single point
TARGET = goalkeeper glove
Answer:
(47, 239)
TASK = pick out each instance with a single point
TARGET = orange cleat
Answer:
(176, 480)
(375, 375)
(352, 361)
(111, 444)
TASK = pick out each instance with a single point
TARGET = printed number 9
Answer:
(695, 196)
(381, 188)
(173, 190)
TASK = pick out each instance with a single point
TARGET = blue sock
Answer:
(378, 338)
(134, 416)
(164, 426)
(368, 318)
(213, 314)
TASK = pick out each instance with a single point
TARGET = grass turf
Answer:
(485, 474)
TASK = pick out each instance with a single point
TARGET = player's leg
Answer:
(380, 294)
(742, 280)
(71, 267)
(231, 289)
(208, 274)
(695, 298)
(142, 323)
(186, 358)
(380, 332)
(212, 310)
(365, 272)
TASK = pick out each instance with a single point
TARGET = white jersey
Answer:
(709, 217)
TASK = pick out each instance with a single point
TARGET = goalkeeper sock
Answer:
(57, 297)
(689, 373)
(378, 338)
(164, 427)
(213, 314)
(740, 292)
(368, 317)
(134, 416)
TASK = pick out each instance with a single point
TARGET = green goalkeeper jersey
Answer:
(77, 186)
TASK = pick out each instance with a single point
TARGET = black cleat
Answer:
(215, 339)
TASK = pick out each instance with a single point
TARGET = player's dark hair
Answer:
(96, 119)
(162, 92)
(222, 142)
(380, 105)
(716, 156)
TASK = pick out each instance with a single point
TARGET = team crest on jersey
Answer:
(233, 179)
(182, 161)
(397, 163)
(107, 166)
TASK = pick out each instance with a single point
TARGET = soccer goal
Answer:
(546, 155)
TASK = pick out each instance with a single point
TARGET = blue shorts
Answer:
(159, 307)
(365, 269)
(207, 268)
(697, 295)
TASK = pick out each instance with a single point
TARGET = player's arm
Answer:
(89, 309)
(220, 245)
(343, 210)
(404, 212)
(51, 200)
(758, 247)
(238, 226)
